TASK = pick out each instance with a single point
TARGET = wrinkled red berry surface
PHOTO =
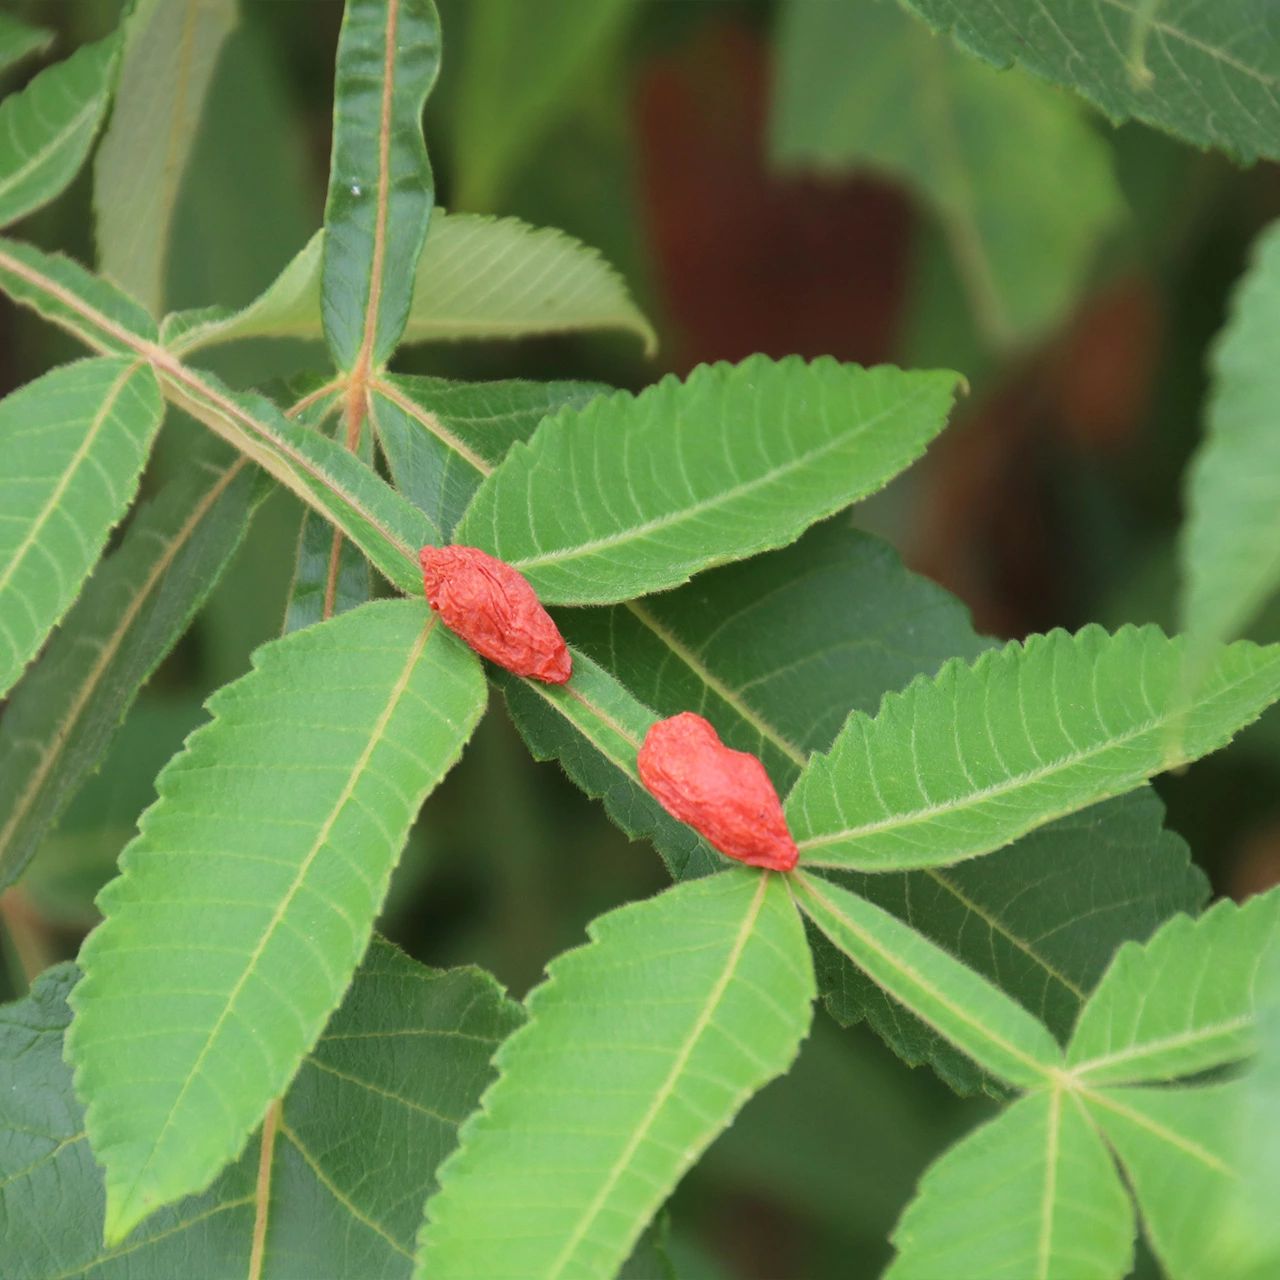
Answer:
(725, 795)
(493, 608)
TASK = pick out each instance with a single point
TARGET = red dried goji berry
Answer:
(725, 795)
(493, 608)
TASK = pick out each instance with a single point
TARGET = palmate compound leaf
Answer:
(1207, 73)
(634, 494)
(74, 442)
(650, 1039)
(1031, 1195)
(47, 128)
(477, 277)
(1021, 184)
(965, 763)
(1183, 1002)
(374, 1108)
(441, 438)
(247, 898)
(380, 184)
(139, 601)
(1231, 540)
(776, 652)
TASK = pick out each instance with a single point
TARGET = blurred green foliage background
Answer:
(656, 131)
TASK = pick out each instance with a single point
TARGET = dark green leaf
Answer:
(18, 41)
(141, 599)
(442, 438)
(373, 1110)
(1208, 73)
(380, 187)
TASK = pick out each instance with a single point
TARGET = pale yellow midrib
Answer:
(361, 765)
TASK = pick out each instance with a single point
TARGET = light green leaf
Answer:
(243, 908)
(1184, 1001)
(373, 1110)
(330, 574)
(960, 765)
(501, 278)
(634, 494)
(653, 1036)
(380, 186)
(442, 438)
(1207, 73)
(477, 277)
(1176, 1149)
(47, 128)
(289, 307)
(170, 50)
(322, 473)
(1021, 184)
(975, 1015)
(88, 307)
(18, 41)
(62, 717)
(1031, 1195)
(73, 443)
(520, 66)
(1231, 540)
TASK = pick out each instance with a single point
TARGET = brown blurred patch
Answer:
(747, 260)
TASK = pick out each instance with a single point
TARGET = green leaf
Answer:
(74, 442)
(1206, 73)
(735, 460)
(1032, 1193)
(330, 574)
(477, 277)
(1183, 1002)
(170, 50)
(485, 277)
(520, 65)
(1231, 540)
(1020, 183)
(1176, 1148)
(1040, 919)
(88, 307)
(380, 186)
(971, 1012)
(289, 307)
(776, 652)
(442, 438)
(594, 727)
(654, 1035)
(242, 910)
(19, 41)
(141, 599)
(47, 128)
(960, 765)
(322, 473)
(373, 1110)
